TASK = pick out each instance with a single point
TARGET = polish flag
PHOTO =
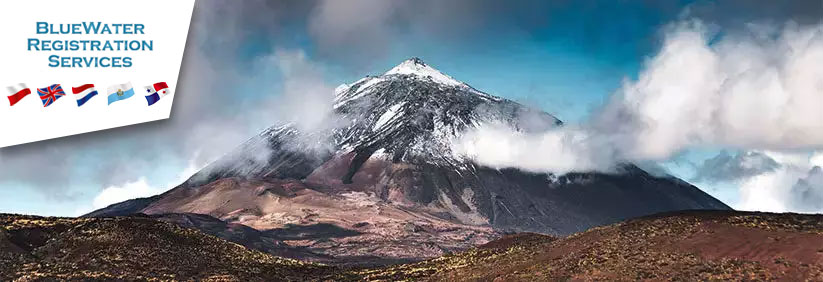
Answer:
(17, 91)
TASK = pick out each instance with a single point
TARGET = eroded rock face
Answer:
(346, 227)
(352, 189)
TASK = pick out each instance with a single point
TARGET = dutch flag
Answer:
(156, 91)
(83, 93)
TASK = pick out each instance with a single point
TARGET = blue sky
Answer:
(566, 57)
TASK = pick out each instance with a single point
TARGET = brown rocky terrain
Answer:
(132, 248)
(691, 245)
(286, 217)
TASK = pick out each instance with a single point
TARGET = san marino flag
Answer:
(119, 92)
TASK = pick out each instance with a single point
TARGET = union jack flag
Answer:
(50, 94)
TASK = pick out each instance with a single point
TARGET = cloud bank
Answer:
(796, 186)
(559, 151)
(758, 89)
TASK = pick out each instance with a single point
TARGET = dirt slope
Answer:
(693, 245)
(133, 248)
(705, 245)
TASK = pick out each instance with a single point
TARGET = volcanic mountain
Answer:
(382, 181)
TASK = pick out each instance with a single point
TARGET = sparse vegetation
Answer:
(133, 248)
(700, 245)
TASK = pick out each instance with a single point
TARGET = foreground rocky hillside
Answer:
(690, 246)
(693, 245)
(132, 248)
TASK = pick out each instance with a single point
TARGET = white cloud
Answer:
(742, 90)
(559, 151)
(127, 191)
(817, 159)
(306, 99)
(795, 186)
(750, 90)
(135, 189)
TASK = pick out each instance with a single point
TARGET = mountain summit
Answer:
(416, 66)
(384, 183)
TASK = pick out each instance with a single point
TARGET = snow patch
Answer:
(362, 85)
(367, 84)
(387, 116)
(380, 154)
(341, 88)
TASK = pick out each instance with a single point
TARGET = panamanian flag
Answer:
(50, 94)
(17, 92)
(120, 92)
(83, 93)
(156, 91)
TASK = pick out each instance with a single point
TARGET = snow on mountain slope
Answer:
(392, 145)
(415, 111)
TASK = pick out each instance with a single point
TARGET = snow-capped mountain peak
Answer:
(416, 66)
(392, 136)
(414, 112)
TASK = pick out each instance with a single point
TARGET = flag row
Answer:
(85, 92)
